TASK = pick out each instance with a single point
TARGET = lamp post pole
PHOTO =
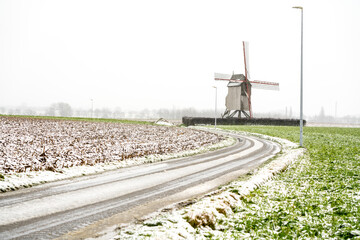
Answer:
(301, 80)
(215, 103)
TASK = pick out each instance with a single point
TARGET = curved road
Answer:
(81, 207)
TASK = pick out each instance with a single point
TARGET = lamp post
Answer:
(301, 80)
(215, 103)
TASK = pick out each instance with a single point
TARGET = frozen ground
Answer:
(201, 219)
(34, 151)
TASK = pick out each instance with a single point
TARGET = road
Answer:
(81, 207)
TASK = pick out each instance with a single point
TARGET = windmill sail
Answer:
(265, 85)
(247, 75)
(222, 76)
(246, 59)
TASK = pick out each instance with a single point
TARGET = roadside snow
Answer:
(201, 220)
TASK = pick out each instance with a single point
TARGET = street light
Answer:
(301, 80)
(215, 103)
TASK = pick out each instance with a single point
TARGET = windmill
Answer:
(238, 99)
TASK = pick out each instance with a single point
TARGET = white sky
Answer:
(162, 54)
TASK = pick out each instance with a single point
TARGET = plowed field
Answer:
(29, 144)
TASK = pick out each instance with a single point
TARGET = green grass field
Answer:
(317, 197)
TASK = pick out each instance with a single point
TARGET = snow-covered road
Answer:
(80, 207)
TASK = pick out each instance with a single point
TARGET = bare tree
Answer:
(59, 109)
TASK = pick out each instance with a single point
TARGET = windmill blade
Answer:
(265, 85)
(229, 77)
(246, 59)
(247, 73)
(222, 76)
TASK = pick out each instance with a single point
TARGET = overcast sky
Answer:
(162, 54)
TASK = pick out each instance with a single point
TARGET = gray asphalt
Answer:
(51, 210)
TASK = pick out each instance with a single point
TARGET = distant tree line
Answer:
(59, 109)
(65, 110)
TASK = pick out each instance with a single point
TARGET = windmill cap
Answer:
(238, 77)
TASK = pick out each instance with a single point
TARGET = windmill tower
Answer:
(238, 99)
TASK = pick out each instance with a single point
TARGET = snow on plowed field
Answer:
(29, 144)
